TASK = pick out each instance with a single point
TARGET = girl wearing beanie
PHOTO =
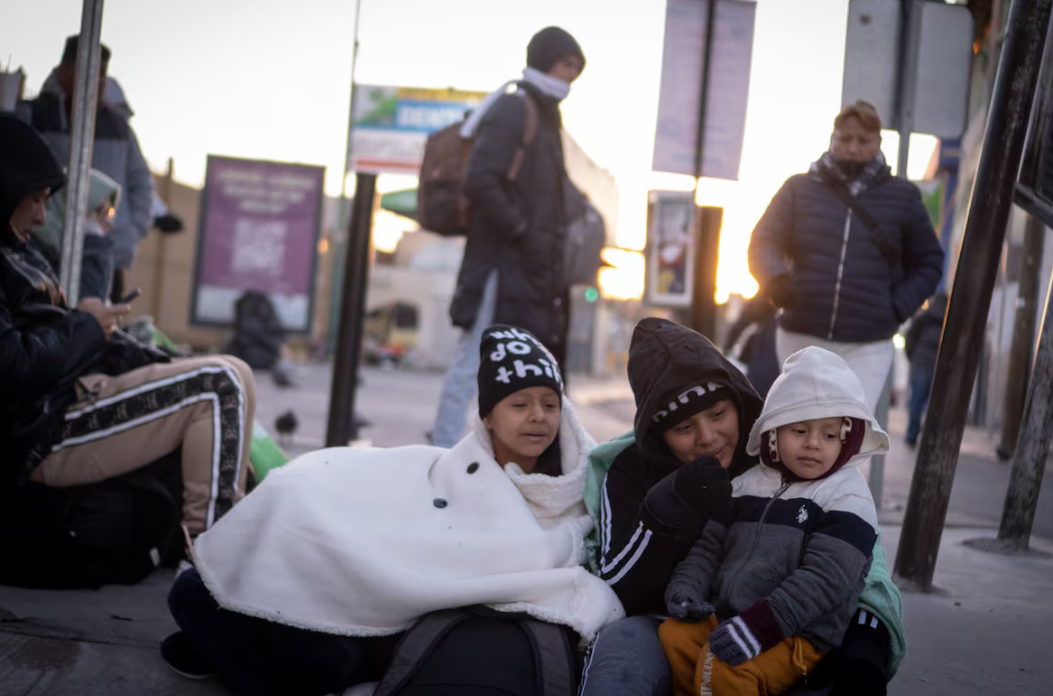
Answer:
(654, 491)
(335, 557)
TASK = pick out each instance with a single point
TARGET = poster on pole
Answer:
(390, 125)
(676, 136)
(670, 270)
(259, 231)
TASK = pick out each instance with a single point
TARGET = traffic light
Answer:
(591, 294)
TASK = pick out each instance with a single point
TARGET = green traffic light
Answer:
(592, 294)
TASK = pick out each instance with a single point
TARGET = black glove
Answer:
(683, 605)
(704, 485)
(168, 223)
(781, 291)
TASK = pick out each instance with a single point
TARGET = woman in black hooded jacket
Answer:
(669, 477)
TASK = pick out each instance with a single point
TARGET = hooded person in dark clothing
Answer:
(653, 491)
(513, 268)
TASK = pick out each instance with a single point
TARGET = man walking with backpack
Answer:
(513, 268)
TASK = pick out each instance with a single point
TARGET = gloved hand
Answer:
(704, 485)
(683, 605)
(781, 291)
(168, 223)
(747, 635)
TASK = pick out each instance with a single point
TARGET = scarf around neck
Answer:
(548, 85)
(827, 169)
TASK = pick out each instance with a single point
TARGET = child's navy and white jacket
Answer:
(794, 556)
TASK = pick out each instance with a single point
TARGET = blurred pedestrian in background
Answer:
(513, 268)
(162, 217)
(847, 252)
(923, 346)
(96, 268)
(115, 152)
(751, 341)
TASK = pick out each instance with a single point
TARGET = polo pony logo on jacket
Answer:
(802, 515)
(700, 390)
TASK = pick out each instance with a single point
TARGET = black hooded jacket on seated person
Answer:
(44, 345)
(650, 519)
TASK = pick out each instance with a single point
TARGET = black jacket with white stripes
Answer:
(651, 513)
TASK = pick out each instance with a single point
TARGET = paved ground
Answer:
(987, 631)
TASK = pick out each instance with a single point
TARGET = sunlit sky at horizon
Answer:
(271, 80)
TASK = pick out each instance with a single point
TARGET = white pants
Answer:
(870, 361)
(461, 383)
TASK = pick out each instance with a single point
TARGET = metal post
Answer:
(350, 120)
(1023, 338)
(989, 207)
(342, 429)
(82, 137)
(1032, 447)
(702, 313)
(908, 80)
(704, 288)
(877, 462)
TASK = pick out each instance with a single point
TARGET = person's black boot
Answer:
(183, 659)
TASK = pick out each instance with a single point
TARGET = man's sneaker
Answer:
(183, 659)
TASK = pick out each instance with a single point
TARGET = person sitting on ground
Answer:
(96, 272)
(308, 585)
(766, 592)
(653, 491)
(79, 404)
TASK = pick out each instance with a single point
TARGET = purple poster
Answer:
(259, 230)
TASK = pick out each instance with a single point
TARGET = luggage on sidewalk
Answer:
(257, 331)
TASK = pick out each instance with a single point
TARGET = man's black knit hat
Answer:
(549, 45)
(511, 359)
(27, 165)
(69, 54)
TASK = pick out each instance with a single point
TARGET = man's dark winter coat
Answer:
(846, 289)
(517, 228)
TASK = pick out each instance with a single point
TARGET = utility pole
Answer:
(989, 206)
(1023, 337)
(82, 138)
(703, 314)
(1029, 463)
(342, 428)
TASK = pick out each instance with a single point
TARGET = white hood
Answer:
(816, 383)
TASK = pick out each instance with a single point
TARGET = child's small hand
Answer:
(683, 606)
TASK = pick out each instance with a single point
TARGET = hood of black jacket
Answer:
(665, 359)
(26, 165)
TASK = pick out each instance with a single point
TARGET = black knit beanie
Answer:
(511, 359)
(549, 45)
(26, 165)
(679, 406)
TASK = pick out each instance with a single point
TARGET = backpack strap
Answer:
(417, 644)
(554, 656)
(530, 127)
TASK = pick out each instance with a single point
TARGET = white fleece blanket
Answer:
(363, 542)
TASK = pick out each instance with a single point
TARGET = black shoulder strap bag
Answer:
(878, 233)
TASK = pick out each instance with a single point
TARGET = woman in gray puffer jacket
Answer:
(847, 252)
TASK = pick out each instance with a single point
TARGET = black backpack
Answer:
(114, 532)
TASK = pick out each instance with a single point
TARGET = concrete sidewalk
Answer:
(987, 630)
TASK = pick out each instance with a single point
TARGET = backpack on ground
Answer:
(442, 206)
(257, 331)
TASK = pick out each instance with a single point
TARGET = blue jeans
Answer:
(460, 385)
(920, 389)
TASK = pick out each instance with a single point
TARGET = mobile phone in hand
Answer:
(127, 299)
